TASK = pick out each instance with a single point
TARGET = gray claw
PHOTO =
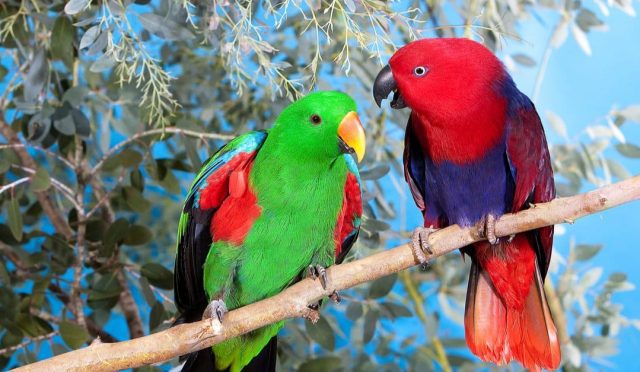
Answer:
(215, 310)
(320, 273)
(420, 244)
(335, 297)
(487, 228)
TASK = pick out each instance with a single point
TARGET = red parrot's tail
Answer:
(498, 333)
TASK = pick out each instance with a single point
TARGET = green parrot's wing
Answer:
(348, 226)
(209, 189)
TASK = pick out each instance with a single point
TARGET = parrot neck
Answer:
(464, 134)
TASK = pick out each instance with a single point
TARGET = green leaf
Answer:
(63, 121)
(164, 27)
(370, 322)
(125, 158)
(105, 292)
(631, 113)
(36, 76)
(5, 279)
(616, 169)
(373, 225)
(81, 123)
(584, 252)
(524, 60)
(557, 124)
(395, 310)
(89, 37)
(40, 181)
(375, 172)
(137, 235)
(147, 292)
(15, 219)
(62, 37)
(4, 165)
(103, 63)
(75, 95)
(76, 6)
(158, 275)
(157, 316)
(381, 287)
(629, 150)
(354, 311)
(618, 277)
(322, 364)
(136, 200)
(115, 233)
(587, 19)
(73, 335)
(137, 179)
(322, 333)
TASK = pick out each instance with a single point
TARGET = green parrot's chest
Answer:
(295, 229)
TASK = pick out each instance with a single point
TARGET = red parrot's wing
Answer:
(530, 165)
(415, 174)
(348, 224)
(222, 177)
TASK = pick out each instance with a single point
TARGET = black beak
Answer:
(385, 84)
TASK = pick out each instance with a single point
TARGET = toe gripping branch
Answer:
(420, 245)
(320, 272)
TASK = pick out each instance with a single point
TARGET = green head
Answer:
(322, 125)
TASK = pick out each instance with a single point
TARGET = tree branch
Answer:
(55, 216)
(112, 151)
(292, 302)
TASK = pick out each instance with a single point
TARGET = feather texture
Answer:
(475, 146)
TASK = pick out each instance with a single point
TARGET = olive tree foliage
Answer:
(108, 107)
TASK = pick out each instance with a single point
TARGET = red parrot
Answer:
(475, 149)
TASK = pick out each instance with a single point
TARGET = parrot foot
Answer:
(311, 315)
(487, 228)
(335, 297)
(420, 245)
(215, 311)
(320, 273)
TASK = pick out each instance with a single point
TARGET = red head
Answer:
(451, 84)
(443, 76)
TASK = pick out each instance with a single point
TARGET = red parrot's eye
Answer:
(315, 119)
(420, 71)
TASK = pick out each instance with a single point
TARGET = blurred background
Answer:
(109, 107)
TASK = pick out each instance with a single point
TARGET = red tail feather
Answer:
(498, 334)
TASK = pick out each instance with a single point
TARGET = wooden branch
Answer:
(292, 302)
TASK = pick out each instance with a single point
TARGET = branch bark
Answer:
(292, 302)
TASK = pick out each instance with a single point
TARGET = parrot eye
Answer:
(420, 71)
(315, 119)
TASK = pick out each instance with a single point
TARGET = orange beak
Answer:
(351, 134)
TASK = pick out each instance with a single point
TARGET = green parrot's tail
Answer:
(204, 360)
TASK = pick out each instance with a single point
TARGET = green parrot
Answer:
(267, 209)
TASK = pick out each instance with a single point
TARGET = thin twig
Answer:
(76, 290)
(46, 151)
(57, 184)
(56, 216)
(23, 344)
(293, 302)
(14, 184)
(153, 132)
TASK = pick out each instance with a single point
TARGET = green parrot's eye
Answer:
(315, 119)
(420, 71)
